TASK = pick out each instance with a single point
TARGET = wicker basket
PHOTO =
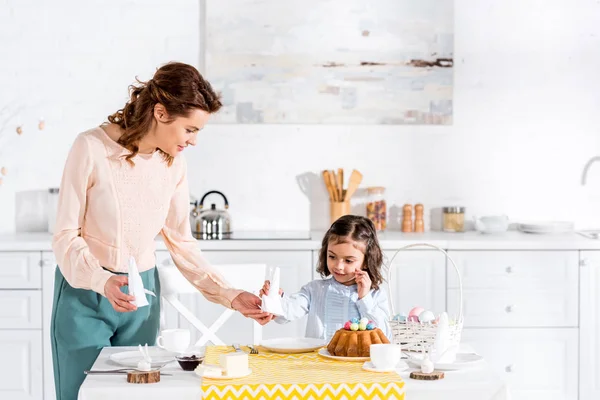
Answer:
(418, 336)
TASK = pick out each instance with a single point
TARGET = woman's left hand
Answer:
(249, 306)
(363, 282)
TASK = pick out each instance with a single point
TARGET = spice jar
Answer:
(454, 219)
(377, 207)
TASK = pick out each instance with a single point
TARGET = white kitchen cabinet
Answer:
(418, 279)
(523, 270)
(537, 363)
(20, 309)
(542, 307)
(21, 367)
(295, 271)
(48, 269)
(516, 288)
(589, 326)
(20, 270)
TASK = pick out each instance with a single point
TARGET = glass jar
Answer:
(454, 219)
(377, 207)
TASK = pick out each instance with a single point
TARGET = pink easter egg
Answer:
(413, 315)
(347, 325)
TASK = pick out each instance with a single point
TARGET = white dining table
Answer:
(480, 383)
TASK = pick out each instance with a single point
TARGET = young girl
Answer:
(350, 261)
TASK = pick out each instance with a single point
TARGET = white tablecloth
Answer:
(472, 384)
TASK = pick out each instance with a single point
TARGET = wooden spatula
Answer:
(333, 183)
(355, 180)
(340, 183)
(327, 180)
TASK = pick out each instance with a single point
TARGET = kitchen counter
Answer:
(511, 240)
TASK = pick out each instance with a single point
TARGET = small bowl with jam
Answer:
(189, 362)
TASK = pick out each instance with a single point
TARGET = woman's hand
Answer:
(119, 300)
(363, 282)
(266, 287)
(249, 306)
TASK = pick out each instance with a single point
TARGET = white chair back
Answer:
(249, 277)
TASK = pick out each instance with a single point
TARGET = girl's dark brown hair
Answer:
(178, 87)
(354, 228)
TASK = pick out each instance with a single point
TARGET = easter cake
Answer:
(355, 339)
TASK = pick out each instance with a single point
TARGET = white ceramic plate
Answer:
(324, 353)
(463, 361)
(293, 345)
(222, 377)
(368, 366)
(547, 227)
(131, 358)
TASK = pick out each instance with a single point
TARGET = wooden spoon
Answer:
(355, 180)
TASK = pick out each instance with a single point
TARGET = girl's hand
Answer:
(363, 282)
(119, 300)
(266, 287)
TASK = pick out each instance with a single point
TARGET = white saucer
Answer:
(462, 361)
(225, 376)
(368, 366)
(132, 358)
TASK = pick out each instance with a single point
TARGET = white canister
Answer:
(52, 208)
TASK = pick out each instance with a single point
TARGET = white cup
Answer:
(175, 340)
(385, 356)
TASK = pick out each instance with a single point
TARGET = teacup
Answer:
(385, 355)
(175, 340)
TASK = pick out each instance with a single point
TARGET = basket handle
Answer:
(431, 246)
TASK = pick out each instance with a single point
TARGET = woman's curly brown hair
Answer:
(354, 228)
(178, 87)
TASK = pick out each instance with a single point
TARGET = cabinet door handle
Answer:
(510, 308)
(46, 263)
(584, 262)
(510, 368)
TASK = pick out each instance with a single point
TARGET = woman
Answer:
(124, 183)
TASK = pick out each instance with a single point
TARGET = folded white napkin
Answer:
(442, 351)
(272, 302)
(136, 286)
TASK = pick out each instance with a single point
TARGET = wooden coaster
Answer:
(143, 377)
(422, 376)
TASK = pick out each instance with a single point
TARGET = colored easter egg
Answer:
(364, 321)
(362, 327)
(347, 325)
(426, 316)
(354, 327)
(370, 327)
(413, 315)
(355, 320)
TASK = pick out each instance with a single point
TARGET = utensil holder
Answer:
(338, 209)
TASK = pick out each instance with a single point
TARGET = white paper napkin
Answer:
(136, 286)
(272, 302)
(442, 351)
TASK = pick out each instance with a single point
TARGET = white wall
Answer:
(527, 96)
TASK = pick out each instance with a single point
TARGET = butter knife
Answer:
(237, 347)
(114, 372)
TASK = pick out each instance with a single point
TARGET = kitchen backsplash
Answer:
(523, 127)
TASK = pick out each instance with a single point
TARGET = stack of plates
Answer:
(547, 227)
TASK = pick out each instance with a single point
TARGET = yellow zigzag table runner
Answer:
(299, 377)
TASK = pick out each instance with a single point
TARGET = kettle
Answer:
(211, 223)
